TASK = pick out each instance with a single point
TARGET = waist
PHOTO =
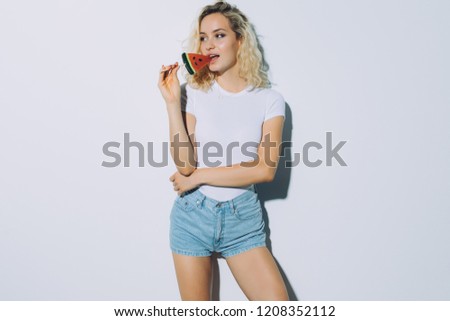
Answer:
(223, 194)
(248, 194)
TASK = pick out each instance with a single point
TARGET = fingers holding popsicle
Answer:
(169, 84)
(167, 70)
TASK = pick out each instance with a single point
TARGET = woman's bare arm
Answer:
(261, 170)
(181, 148)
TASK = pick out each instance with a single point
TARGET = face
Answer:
(218, 40)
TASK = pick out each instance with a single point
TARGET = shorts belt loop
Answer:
(233, 209)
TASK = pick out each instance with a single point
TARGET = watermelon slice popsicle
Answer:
(195, 62)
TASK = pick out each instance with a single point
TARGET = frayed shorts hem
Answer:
(243, 249)
(190, 253)
(224, 254)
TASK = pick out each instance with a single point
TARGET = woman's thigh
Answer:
(193, 276)
(257, 275)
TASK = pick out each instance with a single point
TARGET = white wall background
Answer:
(77, 74)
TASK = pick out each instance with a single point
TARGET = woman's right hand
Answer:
(169, 85)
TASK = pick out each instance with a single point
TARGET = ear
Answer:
(240, 40)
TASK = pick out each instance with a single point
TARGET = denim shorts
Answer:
(200, 225)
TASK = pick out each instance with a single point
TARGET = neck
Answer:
(231, 81)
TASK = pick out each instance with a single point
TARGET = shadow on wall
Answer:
(277, 189)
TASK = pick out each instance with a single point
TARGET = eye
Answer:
(220, 35)
(202, 39)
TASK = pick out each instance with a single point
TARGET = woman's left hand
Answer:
(183, 183)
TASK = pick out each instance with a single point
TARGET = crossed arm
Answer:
(260, 170)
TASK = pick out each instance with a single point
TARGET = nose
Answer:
(209, 44)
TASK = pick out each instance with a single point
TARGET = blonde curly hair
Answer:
(252, 66)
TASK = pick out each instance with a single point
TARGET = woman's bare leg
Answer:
(193, 276)
(258, 276)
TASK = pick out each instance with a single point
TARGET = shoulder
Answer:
(269, 94)
(275, 104)
(188, 88)
(188, 91)
(273, 98)
(272, 93)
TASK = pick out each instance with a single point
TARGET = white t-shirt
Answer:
(228, 128)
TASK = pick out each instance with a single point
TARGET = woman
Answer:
(227, 105)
